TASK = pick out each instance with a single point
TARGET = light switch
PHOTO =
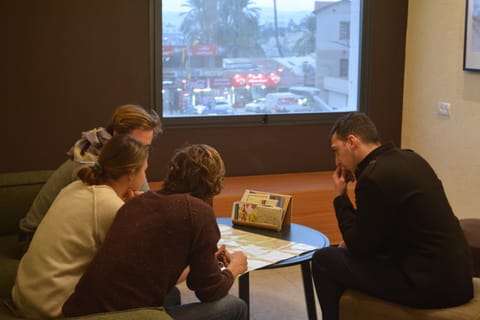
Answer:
(443, 109)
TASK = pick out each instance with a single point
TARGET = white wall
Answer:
(433, 73)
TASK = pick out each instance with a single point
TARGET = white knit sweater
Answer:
(63, 245)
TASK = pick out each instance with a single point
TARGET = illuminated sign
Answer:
(255, 79)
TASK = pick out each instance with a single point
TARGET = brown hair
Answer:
(120, 156)
(130, 117)
(197, 169)
(358, 124)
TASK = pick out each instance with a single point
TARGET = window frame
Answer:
(256, 120)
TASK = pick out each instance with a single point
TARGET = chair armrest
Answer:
(132, 314)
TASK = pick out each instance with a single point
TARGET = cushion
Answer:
(355, 305)
(133, 314)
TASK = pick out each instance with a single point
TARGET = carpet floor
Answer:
(275, 294)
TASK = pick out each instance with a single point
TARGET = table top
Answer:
(296, 233)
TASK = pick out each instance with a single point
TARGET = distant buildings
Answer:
(337, 52)
(197, 72)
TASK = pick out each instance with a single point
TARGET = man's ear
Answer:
(353, 141)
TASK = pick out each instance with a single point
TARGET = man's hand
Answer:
(238, 263)
(341, 177)
(223, 256)
(343, 245)
(184, 275)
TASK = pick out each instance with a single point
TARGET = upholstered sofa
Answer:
(355, 305)
(17, 191)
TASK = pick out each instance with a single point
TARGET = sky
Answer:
(287, 5)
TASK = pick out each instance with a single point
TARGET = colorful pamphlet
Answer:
(263, 210)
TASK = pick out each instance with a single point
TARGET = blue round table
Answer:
(296, 233)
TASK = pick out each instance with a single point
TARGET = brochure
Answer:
(262, 209)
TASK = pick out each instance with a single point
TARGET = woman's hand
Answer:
(130, 194)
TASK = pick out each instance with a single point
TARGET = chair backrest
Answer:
(17, 191)
(471, 229)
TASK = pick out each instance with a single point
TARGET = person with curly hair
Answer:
(157, 235)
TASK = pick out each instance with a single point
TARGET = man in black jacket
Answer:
(401, 240)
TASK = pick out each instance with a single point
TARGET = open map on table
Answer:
(260, 250)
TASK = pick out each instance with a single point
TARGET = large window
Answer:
(237, 59)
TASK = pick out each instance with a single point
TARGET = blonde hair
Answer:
(196, 169)
(120, 156)
(129, 117)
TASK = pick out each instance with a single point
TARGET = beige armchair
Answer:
(355, 305)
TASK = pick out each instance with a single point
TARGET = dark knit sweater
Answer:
(153, 238)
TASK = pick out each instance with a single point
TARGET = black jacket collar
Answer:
(371, 158)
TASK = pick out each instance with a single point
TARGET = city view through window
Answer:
(241, 57)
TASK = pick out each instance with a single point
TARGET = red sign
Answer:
(255, 79)
(167, 51)
(204, 50)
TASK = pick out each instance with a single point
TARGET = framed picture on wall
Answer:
(471, 59)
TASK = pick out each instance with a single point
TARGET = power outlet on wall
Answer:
(443, 109)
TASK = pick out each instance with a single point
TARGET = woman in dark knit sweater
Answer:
(155, 237)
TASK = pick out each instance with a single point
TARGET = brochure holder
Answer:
(263, 210)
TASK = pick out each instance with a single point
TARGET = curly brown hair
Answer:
(196, 169)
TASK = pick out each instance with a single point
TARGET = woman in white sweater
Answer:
(75, 226)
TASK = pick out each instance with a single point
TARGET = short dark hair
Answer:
(197, 169)
(358, 124)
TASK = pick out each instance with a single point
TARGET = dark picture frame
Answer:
(471, 58)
